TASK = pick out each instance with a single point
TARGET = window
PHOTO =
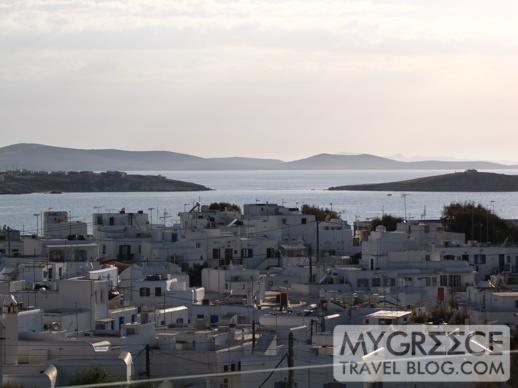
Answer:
(516, 304)
(133, 318)
(144, 291)
(444, 281)
(363, 283)
(454, 281)
(80, 255)
(376, 282)
(480, 259)
(158, 291)
(56, 255)
(247, 253)
(270, 253)
(112, 221)
(215, 253)
(303, 221)
(174, 237)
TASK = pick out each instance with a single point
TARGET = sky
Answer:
(271, 78)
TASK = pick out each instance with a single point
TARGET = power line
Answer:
(273, 370)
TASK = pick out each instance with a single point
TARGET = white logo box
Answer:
(421, 353)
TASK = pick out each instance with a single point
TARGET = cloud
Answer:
(171, 73)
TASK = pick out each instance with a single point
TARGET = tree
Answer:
(321, 214)
(388, 221)
(94, 374)
(419, 317)
(194, 273)
(224, 206)
(478, 223)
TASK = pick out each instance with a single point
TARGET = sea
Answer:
(290, 188)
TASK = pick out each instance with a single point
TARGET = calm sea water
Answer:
(289, 187)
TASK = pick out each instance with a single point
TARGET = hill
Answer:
(373, 162)
(26, 183)
(51, 158)
(468, 181)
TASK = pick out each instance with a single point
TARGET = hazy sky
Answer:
(270, 78)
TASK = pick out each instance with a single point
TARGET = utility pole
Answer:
(290, 362)
(487, 226)
(37, 223)
(253, 335)
(318, 241)
(9, 241)
(165, 217)
(404, 195)
(70, 222)
(151, 213)
(77, 319)
(310, 265)
(253, 303)
(472, 225)
(148, 370)
(2, 350)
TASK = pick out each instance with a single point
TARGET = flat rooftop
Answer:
(507, 294)
(389, 314)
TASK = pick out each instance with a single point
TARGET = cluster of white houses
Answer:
(222, 290)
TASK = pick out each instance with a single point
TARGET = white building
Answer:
(236, 282)
(158, 291)
(56, 225)
(121, 235)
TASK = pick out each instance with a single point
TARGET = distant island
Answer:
(468, 181)
(26, 182)
(50, 158)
